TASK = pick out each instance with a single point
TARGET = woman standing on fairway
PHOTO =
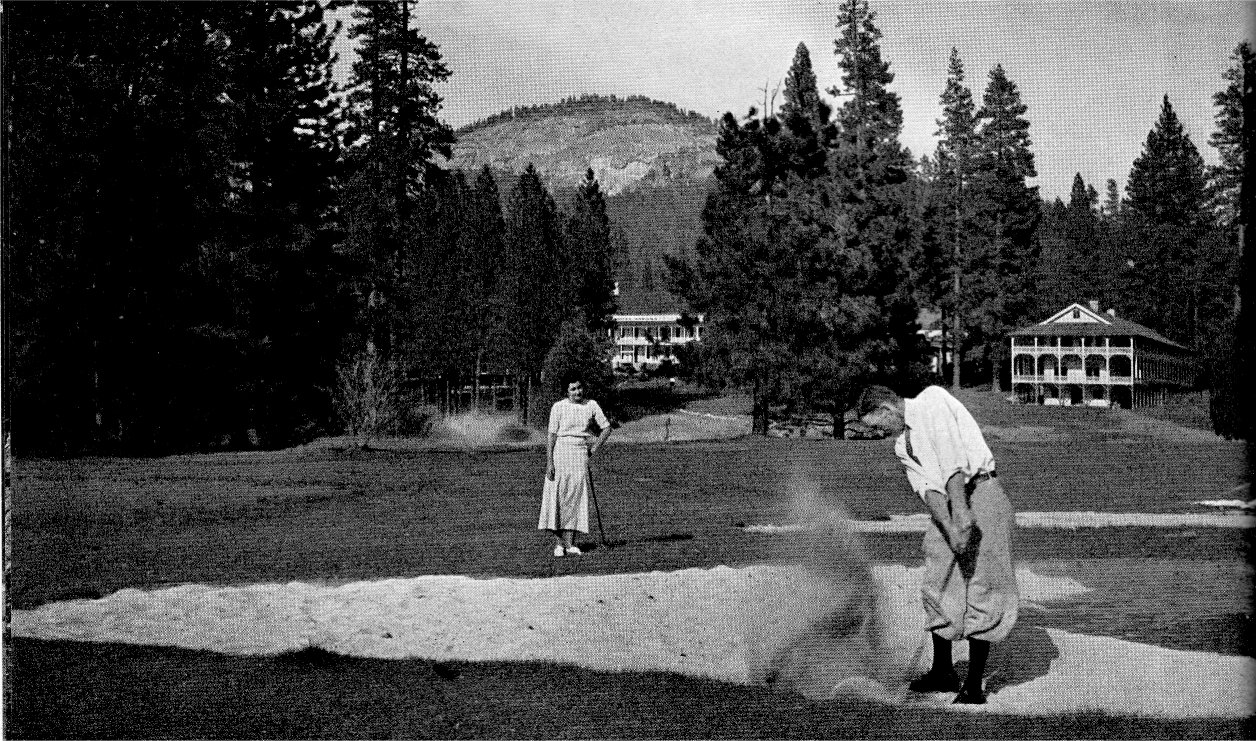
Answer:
(565, 495)
(969, 587)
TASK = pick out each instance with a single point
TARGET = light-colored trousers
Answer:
(975, 595)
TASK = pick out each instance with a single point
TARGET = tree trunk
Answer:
(957, 337)
(527, 404)
(518, 401)
(957, 344)
(759, 410)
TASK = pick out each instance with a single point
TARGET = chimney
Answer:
(1094, 305)
(1111, 313)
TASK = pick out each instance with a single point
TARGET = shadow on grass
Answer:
(611, 543)
(79, 690)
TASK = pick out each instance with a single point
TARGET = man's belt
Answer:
(982, 477)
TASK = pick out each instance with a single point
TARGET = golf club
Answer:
(596, 509)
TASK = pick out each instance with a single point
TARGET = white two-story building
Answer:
(1081, 356)
(649, 327)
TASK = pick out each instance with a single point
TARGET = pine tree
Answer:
(117, 122)
(805, 117)
(484, 272)
(1112, 201)
(1166, 204)
(956, 169)
(801, 269)
(870, 185)
(1080, 231)
(1166, 182)
(393, 133)
(533, 283)
(743, 274)
(1000, 293)
(1231, 192)
(588, 242)
(1226, 177)
(281, 64)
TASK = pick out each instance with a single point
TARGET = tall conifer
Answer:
(1000, 292)
(956, 170)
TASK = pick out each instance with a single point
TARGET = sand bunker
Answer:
(701, 622)
(919, 522)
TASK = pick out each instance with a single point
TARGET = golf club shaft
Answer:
(596, 509)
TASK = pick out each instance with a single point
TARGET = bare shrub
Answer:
(367, 396)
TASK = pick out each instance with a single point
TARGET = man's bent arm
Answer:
(950, 511)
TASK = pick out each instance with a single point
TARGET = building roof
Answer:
(1091, 323)
(636, 299)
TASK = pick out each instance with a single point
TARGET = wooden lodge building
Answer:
(1080, 356)
(648, 328)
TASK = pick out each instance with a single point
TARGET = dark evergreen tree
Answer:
(870, 185)
(1225, 178)
(588, 243)
(434, 339)
(805, 117)
(1168, 220)
(393, 133)
(1231, 190)
(486, 249)
(275, 262)
(533, 283)
(579, 353)
(119, 134)
(801, 269)
(1112, 202)
(956, 172)
(1000, 292)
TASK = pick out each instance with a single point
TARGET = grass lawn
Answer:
(68, 690)
(88, 527)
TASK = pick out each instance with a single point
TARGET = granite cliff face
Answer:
(629, 143)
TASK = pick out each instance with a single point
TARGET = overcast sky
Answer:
(1092, 73)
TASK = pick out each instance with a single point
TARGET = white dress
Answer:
(565, 500)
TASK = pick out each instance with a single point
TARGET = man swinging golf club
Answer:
(565, 494)
(969, 587)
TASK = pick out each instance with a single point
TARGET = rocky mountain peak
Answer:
(629, 143)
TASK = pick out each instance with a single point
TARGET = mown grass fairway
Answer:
(86, 528)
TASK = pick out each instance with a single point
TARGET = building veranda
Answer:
(1080, 356)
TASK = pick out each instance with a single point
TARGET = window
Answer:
(1077, 313)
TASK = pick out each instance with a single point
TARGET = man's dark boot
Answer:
(942, 677)
(972, 692)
